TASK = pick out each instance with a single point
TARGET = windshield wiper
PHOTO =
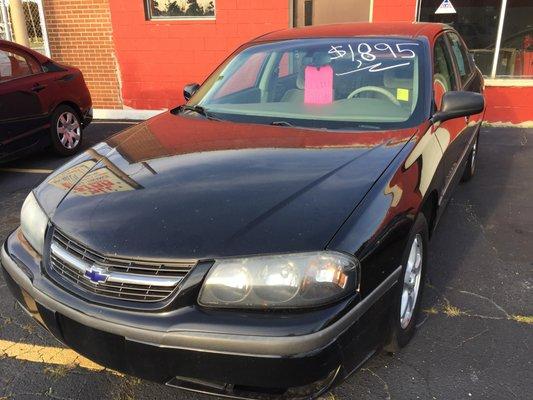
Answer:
(281, 123)
(200, 110)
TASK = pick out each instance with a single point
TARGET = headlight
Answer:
(280, 281)
(33, 222)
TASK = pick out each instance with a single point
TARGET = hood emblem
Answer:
(96, 274)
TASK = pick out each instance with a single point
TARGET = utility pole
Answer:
(18, 21)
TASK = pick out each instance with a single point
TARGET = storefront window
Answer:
(477, 21)
(516, 49)
(179, 9)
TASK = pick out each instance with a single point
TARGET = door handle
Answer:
(37, 87)
(66, 78)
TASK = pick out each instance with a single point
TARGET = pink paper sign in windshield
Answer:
(318, 88)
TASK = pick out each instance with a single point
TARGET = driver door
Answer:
(450, 134)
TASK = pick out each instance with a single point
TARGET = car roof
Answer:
(400, 29)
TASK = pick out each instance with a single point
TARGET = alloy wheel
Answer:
(411, 282)
(68, 130)
(473, 158)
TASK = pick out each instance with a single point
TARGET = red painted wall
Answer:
(157, 58)
(509, 104)
(394, 10)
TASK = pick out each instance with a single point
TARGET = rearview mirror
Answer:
(189, 90)
(459, 104)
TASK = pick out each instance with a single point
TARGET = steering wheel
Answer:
(377, 89)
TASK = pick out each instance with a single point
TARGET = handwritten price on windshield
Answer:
(365, 53)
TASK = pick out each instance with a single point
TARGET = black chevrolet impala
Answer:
(269, 236)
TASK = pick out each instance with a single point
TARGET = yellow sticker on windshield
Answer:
(402, 94)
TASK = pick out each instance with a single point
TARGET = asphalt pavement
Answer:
(475, 337)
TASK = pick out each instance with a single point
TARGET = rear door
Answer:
(451, 133)
(23, 100)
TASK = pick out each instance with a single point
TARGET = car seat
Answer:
(296, 95)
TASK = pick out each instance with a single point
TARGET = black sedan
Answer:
(42, 103)
(266, 238)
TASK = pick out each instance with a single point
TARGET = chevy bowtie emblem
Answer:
(96, 274)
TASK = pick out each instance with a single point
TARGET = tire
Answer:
(470, 168)
(402, 323)
(66, 132)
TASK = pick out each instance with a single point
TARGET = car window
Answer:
(443, 73)
(461, 57)
(284, 68)
(323, 83)
(16, 64)
(244, 77)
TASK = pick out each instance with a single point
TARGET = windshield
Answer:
(335, 83)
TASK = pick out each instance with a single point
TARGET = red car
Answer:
(42, 103)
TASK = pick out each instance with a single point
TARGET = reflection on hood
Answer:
(200, 189)
(84, 179)
(171, 135)
(165, 137)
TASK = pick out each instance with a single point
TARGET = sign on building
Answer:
(446, 7)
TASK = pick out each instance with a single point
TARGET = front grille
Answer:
(117, 278)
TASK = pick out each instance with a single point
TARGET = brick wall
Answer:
(157, 58)
(80, 34)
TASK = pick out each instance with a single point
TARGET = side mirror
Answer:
(459, 104)
(189, 90)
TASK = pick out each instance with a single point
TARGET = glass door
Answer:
(319, 12)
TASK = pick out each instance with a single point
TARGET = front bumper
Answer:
(228, 364)
(87, 117)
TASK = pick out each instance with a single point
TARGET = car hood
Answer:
(190, 188)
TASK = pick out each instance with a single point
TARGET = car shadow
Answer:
(472, 214)
(461, 256)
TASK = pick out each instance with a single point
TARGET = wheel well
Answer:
(429, 209)
(73, 105)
